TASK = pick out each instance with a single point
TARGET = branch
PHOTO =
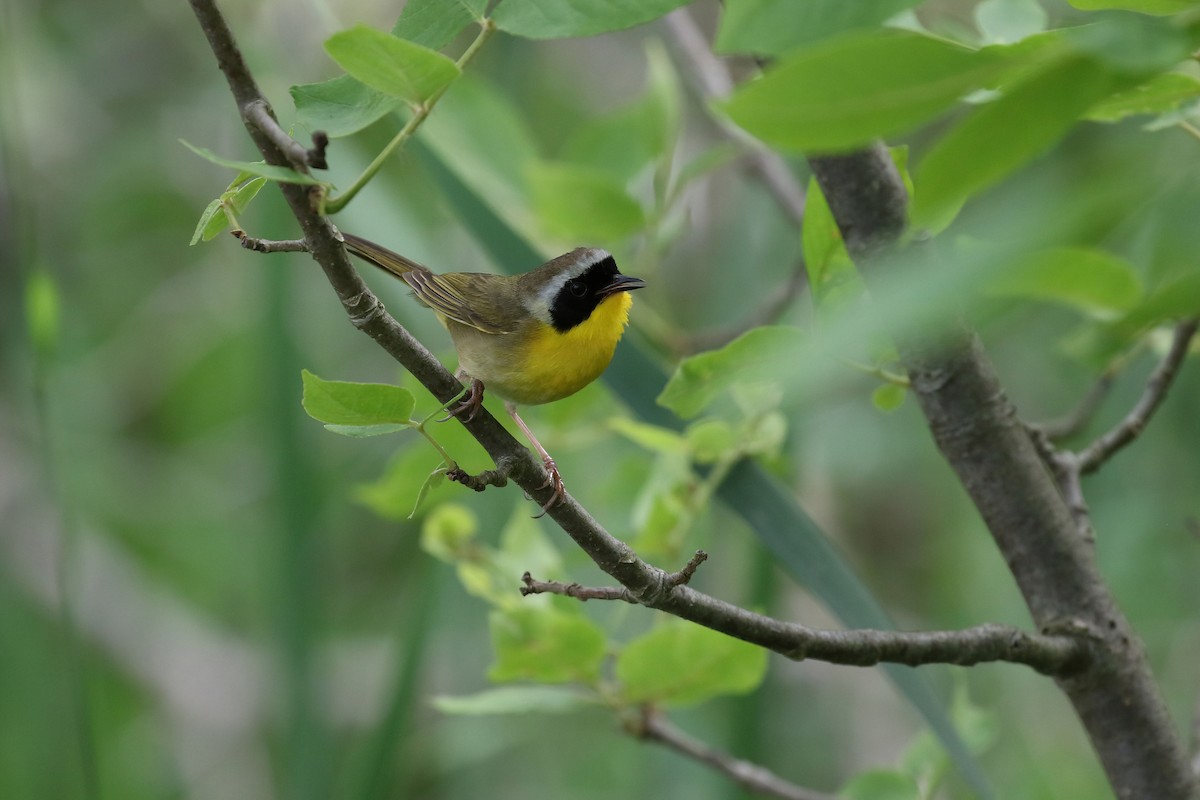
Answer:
(270, 246)
(712, 81)
(258, 112)
(489, 477)
(1078, 418)
(652, 727)
(1128, 429)
(976, 428)
(1053, 653)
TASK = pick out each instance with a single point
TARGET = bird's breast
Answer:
(549, 365)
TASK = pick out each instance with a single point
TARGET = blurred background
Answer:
(205, 595)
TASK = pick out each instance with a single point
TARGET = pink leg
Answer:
(553, 478)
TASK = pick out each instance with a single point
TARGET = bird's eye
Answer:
(577, 288)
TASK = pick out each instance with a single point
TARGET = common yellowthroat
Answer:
(532, 338)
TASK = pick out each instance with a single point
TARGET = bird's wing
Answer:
(473, 299)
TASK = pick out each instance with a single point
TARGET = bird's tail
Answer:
(381, 257)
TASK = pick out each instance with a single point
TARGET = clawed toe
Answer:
(553, 479)
(468, 408)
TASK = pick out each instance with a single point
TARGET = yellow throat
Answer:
(556, 364)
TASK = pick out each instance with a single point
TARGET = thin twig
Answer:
(712, 81)
(270, 245)
(1128, 429)
(577, 590)
(488, 477)
(685, 575)
(651, 726)
(1054, 653)
(1078, 418)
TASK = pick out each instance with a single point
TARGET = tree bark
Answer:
(977, 430)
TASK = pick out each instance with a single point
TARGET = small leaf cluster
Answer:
(551, 640)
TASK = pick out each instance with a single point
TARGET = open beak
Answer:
(622, 283)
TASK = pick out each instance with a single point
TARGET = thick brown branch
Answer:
(1128, 429)
(977, 430)
(652, 727)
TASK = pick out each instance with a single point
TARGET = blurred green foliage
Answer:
(203, 594)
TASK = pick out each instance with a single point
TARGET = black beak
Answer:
(622, 283)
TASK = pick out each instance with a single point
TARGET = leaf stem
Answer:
(333, 205)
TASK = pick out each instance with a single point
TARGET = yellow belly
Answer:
(548, 365)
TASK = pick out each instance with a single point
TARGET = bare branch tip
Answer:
(684, 576)
(489, 477)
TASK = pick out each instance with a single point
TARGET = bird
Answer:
(531, 338)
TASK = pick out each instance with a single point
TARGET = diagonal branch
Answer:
(1128, 429)
(654, 728)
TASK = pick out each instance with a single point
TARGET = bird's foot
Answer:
(553, 479)
(466, 408)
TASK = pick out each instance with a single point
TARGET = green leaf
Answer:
(340, 106)
(680, 663)
(889, 397)
(245, 193)
(556, 19)
(1160, 94)
(1157, 7)
(546, 645)
(43, 311)
(357, 404)
(772, 27)
(393, 66)
(1128, 43)
(825, 258)
(395, 494)
(435, 23)
(998, 137)
(449, 532)
(238, 196)
(710, 439)
(758, 355)
(1176, 299)
(431, 482)
(1091, 280)
(848, 91)
(1008, 21)
(209, 224)
(366, 431)
(261, 168)
(650, 437)
(516, 700)
(881, 784)
(582, 204)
